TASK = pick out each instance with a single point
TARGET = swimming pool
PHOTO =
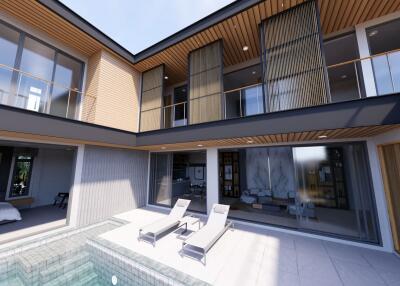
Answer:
(80, 257)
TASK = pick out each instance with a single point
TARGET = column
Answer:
(212, 178)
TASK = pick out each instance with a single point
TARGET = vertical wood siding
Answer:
(205, 83)
(152, 93)
(113, 181)
(294, 70)
(113, 89)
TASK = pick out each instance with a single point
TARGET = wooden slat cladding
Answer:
(293, 67)
(151, 103)
(112, 92)
(205, 83)
(357, 132)
(242, 29)
(390, 162)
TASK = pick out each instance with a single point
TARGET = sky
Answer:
(138, 24)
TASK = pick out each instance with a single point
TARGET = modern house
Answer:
(287, 110)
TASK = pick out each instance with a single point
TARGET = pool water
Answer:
(81, 257)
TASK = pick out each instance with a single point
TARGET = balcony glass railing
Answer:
(175, 115)
(244, 101)
(346, 79)
(24, 90)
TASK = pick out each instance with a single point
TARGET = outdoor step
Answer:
(62, 267)
(90, 279)
(72, 277)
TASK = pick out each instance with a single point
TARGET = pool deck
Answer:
(255, 256)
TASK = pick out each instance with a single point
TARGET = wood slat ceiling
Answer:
(358, 132)
(242, 29)
(34, 14)
(237, 31)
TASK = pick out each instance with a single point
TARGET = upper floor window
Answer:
(37, 76)
(344, 72)
(383, 42)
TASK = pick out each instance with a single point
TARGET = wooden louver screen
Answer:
(293, 63)
(151, 105)
(205, 83)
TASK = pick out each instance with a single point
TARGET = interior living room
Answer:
(321, 188)
(35, 181)
(175, 175)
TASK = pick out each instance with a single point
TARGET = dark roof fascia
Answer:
(195, 28)
(69, 15)
(371, 111)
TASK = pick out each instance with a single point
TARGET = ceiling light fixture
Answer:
(322, 137)
(199, 145)
(373, 33)
(163, 148)
(245, 48)
(253, 72)
(250, 141)
(165, 77)
(343, 76)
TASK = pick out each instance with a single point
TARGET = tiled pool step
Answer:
(67, 266)
(60, 256)
(76, 276)
(12, 282)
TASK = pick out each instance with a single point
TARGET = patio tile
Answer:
(353, 274)
(272, 278)
(382, 260)
(345, 252)
(310, 246)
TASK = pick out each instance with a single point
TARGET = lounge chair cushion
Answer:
(205, 237)
(160, 226)
(221, 209)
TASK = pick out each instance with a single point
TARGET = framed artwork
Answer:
(228, 172)
(199, 173)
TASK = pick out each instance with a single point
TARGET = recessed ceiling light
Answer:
(322, 136)
(199, 145)
(373, 33)
(250, 141)
(165, 77)
(163, 148)
(343, 76)
(253, 72)
(245, 48)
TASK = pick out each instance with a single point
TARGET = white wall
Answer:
(51, 174)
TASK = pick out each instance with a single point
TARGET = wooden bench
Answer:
(21, 202)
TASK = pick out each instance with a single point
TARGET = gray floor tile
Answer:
(353, 274)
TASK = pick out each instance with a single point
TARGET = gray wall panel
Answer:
(113, 181)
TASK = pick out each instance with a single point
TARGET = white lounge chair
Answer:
(201, 241)
(153, 230)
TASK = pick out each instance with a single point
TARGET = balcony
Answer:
(36, 94)
(346, 82)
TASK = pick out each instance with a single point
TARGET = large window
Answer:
(345, 80)
(382, 39)
(323, 189)
(21, 178)
(179, 175)
(243, 92)
(36, 76)
(8, 46)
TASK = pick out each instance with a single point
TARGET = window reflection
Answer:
(22, 175)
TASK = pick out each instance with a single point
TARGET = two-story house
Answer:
(288, 111)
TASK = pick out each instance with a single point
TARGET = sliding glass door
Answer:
(334, 193)
(176, 175)
(320, 189)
